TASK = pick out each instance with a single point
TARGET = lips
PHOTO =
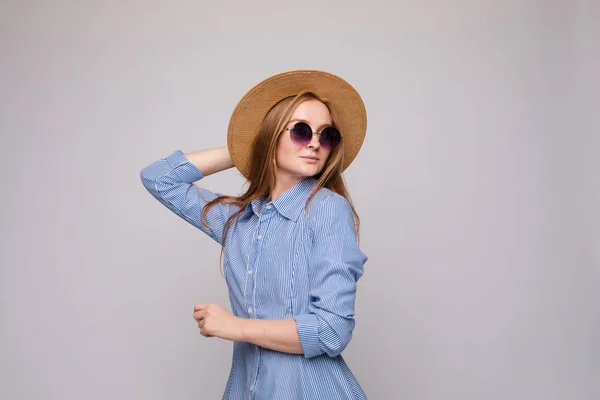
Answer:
(310, 158)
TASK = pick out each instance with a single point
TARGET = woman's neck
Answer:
(283, 184)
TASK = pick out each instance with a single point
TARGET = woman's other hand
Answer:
(214, 320)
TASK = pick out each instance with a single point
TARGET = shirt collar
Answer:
(290, 204)
(254, 207)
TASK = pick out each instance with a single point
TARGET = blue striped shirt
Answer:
(279, 262)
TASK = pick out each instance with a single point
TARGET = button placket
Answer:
(264, 217)
(249, 286)
(252, 262)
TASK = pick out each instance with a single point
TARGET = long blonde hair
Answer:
(262, 175)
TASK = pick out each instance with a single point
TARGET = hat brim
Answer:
(247, 117)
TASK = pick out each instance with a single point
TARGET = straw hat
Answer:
(250, 111)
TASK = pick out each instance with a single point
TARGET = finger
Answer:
(200, 306)
(199, 315)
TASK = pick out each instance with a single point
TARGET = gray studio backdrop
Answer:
(477, 186)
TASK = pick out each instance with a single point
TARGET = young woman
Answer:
(290, 250)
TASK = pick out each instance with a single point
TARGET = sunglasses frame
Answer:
(316, 133)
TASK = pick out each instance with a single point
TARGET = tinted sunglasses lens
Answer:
(330, 138)
(301, 133)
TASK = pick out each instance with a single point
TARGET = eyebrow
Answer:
(303, 120)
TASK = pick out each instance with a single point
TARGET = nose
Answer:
(314, 141)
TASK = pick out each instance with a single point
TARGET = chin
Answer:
(304, 171)
(309, 172)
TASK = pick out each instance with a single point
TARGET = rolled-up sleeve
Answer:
(335, 267)
(170, 181)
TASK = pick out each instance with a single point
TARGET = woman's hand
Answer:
(214, 320)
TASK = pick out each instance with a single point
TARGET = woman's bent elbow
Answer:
(334, 341)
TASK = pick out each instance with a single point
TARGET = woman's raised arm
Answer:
(211, 161)
(170, 181)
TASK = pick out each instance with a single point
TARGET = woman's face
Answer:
(304, 161)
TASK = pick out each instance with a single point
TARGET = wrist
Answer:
(241, 324)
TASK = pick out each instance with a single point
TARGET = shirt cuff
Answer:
(188, 171)
(308, 331)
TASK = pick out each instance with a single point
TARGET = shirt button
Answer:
(249, 310)
(250, 272)
(258, 237)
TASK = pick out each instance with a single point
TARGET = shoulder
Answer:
(326, 200)
(328, 207)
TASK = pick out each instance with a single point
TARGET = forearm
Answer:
(279, 335)
(210, 161)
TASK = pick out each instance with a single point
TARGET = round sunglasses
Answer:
(301, 134)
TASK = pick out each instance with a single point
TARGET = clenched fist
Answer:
(214, 320)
